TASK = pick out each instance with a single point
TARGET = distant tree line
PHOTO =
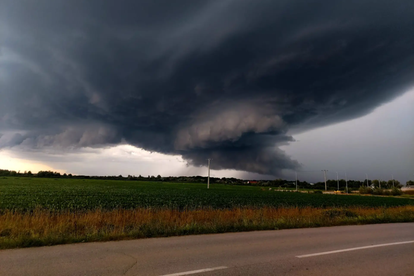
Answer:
(14, 173)
(282, 183)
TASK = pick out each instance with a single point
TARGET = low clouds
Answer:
(203, 79)
(70, 137)
(229, 122)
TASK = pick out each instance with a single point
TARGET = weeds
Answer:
(378, 191)
(365, 190)
(44, 227)
(396, 192)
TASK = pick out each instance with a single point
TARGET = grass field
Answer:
(25, 194)
(42, 211)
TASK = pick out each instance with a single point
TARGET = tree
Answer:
(48, 174)
(375, 182)
(409, 183)
(396, 192)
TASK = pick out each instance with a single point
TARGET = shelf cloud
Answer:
(228, 80)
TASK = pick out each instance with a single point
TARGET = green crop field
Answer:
(25, 194)
(46, 211)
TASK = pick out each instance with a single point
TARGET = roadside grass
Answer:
(42, 227)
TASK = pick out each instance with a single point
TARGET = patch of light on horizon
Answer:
(10, 162)
(118, 160)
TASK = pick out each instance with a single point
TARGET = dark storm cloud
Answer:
(205, 79)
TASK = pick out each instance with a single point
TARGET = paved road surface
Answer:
(385, 249)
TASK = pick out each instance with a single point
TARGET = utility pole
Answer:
(208, 178)
(296, 174)
(346, 182)
(367, 178)
(337, 179)
(324, 176)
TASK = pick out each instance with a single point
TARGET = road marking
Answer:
(196, 271)
(353, 249)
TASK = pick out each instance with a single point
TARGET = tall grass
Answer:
(44, 227)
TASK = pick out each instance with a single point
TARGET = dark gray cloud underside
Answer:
(205, 79)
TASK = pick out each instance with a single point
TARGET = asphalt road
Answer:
(384, 249)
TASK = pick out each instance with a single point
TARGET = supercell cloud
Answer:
(223, 79)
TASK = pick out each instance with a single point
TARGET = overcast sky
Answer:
(264, 88)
